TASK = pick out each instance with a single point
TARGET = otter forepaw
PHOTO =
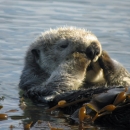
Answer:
(34, 96)
(104, 59)
(81, 61)
(41, 96)
(47, 99)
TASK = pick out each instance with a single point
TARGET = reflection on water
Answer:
(21, 22)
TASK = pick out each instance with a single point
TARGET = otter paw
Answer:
(81, 61)
(34, 96)
(104, 59)
(41, 96)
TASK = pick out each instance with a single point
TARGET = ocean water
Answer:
(22, 21)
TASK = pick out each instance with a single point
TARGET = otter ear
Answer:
(36, 53)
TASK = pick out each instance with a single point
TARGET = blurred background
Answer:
(21, 21)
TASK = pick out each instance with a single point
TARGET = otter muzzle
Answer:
(93, 52)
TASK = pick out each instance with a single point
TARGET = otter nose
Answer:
(92, 51)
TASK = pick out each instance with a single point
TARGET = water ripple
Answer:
(22, 21)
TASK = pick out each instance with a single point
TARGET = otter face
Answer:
(54, 46)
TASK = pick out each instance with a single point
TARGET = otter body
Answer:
(67, 59)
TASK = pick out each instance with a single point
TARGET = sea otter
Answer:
(66, 59)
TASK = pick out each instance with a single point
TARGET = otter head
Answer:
(54, 46)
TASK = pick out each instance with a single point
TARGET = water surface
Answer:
(22, 21)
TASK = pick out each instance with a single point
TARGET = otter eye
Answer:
(64, 46)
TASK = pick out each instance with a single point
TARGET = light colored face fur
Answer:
(95, 75)
(56, 45)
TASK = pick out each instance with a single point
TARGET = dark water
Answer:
(22, 21)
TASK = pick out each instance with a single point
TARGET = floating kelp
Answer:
(28, 126)
(3, 116)
(108, 109)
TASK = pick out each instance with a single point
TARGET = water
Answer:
(22, 21)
